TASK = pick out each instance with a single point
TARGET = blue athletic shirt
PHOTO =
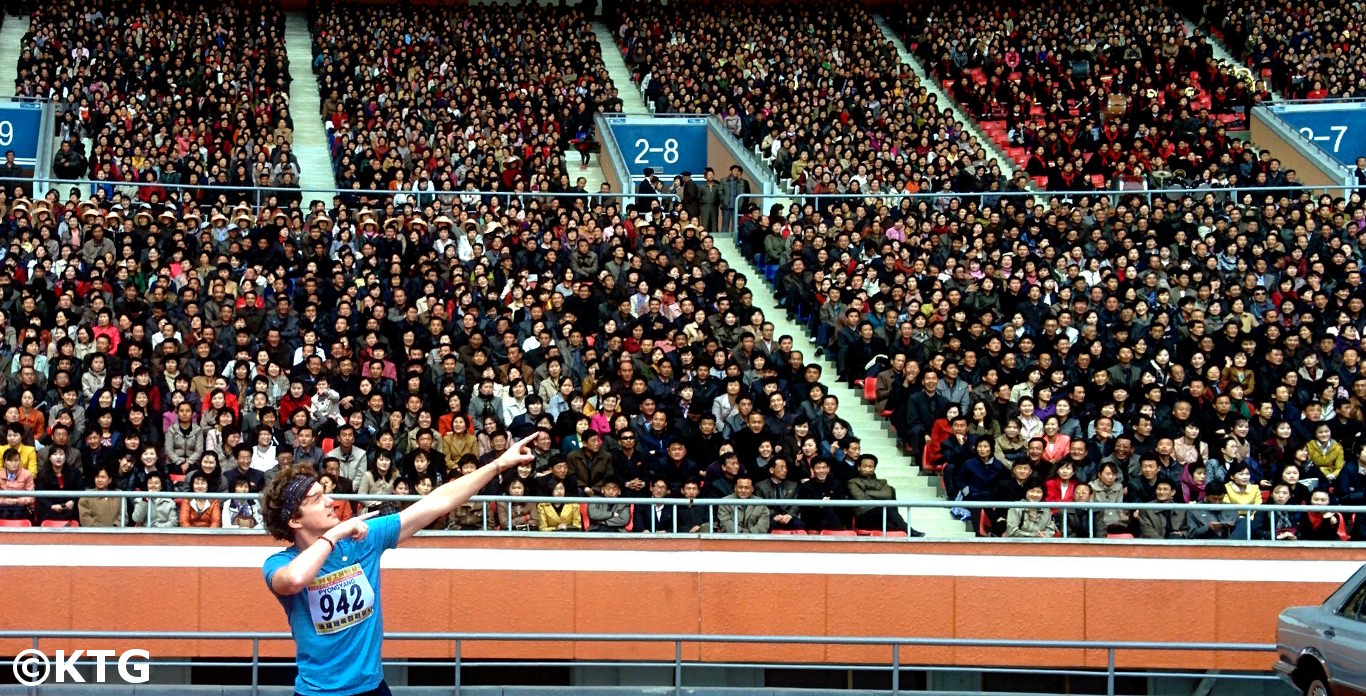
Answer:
(336, 621)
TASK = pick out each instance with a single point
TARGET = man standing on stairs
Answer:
(921, 409)
(710, 198)
(689, 196)
(731, 188)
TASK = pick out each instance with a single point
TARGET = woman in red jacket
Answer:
(205, 514)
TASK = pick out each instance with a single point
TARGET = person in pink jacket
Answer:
(15, 477)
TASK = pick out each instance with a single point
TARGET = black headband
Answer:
(294, 495)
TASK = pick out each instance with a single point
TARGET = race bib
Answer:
(340, 600)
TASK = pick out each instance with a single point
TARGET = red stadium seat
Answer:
(61, 523)
(870, 388)
(15, 523)
(839, 532)
(1117, 535)
(1041, 182)
(788, 532)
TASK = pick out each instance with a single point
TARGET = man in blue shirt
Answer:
(328, 581)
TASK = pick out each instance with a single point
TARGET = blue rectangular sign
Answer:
(668, 145)
(1337, 128)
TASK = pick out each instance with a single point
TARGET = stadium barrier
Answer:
(894, 666)
(712, 504)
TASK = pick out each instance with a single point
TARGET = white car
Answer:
(1321, 650)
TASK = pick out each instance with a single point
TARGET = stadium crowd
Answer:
(1217, 336)
(1090, 95)
(814, 85)
(1308, 50)
(478, 100)
(1113, 348)
(168, 93)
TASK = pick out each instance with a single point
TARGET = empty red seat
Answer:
(1115, 535)
(788, 532)
(1041, 182)
(839, 532)
(870, 388)
(61, 523)
(15, 523)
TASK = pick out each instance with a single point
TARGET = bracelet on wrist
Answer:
(329, 542)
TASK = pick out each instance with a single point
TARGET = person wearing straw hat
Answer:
(328, 579)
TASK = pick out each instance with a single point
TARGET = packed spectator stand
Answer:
(481, 99)
(167, 93)
(1089, 94)
(1122, 348)
(813, 84)
(1307, 50)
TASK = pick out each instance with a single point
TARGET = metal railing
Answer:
(894, 666)
(712, 505)
(257, 196)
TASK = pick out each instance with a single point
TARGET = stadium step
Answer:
(876, 438)
(305, 104)
(11, 46)
(631, 101)
(1008, 166)
(1221, 54)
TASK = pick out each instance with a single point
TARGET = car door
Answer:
(1344, 643)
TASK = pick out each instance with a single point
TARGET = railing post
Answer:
(457, 665)
(255, 666)
(1110, 672)
(1248, 523)
(33, 690)
(896, 669)
(484, 514)
(1271, 526)
(678, 668)
(884, 521)
(1064, 523)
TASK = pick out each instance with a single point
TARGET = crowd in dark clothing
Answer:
(1218, 330)
(486, 98)
(814, 85)
(166, 92)
(1090, 95)
(1307, 50)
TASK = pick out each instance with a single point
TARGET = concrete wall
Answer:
(1286, 146)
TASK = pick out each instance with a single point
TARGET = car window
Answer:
(1351, 609)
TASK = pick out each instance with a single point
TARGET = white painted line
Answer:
(693, 562)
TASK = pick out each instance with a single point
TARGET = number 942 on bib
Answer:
(340, 599)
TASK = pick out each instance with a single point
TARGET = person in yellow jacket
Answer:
(28, 455)
(562, 517)
(1325, 452)
(1241, 490)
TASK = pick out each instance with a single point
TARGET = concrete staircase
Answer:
(11, 46)
(310, 137)
(1226, 59)
(631, 101)
(872, 430)
(946, 103)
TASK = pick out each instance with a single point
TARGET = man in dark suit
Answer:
(656, 517)
(777, 487)
(11, 174)
(690, 196)
(922, 408)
